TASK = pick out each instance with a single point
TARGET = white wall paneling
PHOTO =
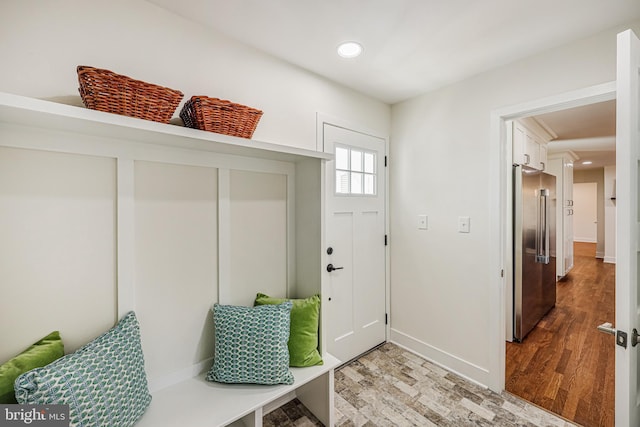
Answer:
(224, 236)
(259, 235)
(125, 230)
(176, 268)
(148, 217)
(58, 246)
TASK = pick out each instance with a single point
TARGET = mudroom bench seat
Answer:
(197, 402)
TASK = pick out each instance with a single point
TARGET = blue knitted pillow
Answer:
(104, 382)
(251, 344)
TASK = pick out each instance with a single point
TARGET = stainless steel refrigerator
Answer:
(534, 247)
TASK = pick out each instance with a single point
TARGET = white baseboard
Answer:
(450, 362)
(599, 254)
(610, 259)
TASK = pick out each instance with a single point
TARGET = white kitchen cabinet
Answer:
(561, 165)
(529, 143)
(542, 158)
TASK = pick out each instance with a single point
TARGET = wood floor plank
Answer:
(565, 364)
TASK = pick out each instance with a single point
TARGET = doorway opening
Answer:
(561, 364)
(585, 223)
(553, 394)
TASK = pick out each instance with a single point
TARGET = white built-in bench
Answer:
(200, 403)
(117, 186)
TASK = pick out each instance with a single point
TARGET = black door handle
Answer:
(330, 268)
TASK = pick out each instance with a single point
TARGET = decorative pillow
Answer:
(303, 337)
(39, 354)
(251, 344)
(103, 382)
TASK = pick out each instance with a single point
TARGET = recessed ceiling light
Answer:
(587, 162)
(349, 49)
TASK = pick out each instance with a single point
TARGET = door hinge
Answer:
(385, 161)
(502, 273)
(386, 318)
(385, 240)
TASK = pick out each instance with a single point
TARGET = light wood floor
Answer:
(565, 364)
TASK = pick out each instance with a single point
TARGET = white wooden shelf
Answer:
(36, 113)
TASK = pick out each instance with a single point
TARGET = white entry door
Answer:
(356, 246)
(627, 217)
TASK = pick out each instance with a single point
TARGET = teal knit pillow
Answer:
(103, 382)
(251, 344)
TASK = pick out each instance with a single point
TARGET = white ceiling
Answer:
(410, 46)
(414, 46)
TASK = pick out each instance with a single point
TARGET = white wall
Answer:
(439, 147)
(609, 214)
(440, 166)
(42, 42)
(178, 264)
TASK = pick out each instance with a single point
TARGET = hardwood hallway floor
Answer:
(565, 364)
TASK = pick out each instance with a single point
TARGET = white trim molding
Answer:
(500, 202)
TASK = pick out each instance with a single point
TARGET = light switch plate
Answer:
(423, 222)
(464, 224)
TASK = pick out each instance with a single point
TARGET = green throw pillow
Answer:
(303, 338)
(251, 344)
(39, 354)
(104, 382)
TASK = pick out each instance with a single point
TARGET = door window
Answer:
(355, 172)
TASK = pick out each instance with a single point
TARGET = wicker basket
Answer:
(104, 90)
(220, 116)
